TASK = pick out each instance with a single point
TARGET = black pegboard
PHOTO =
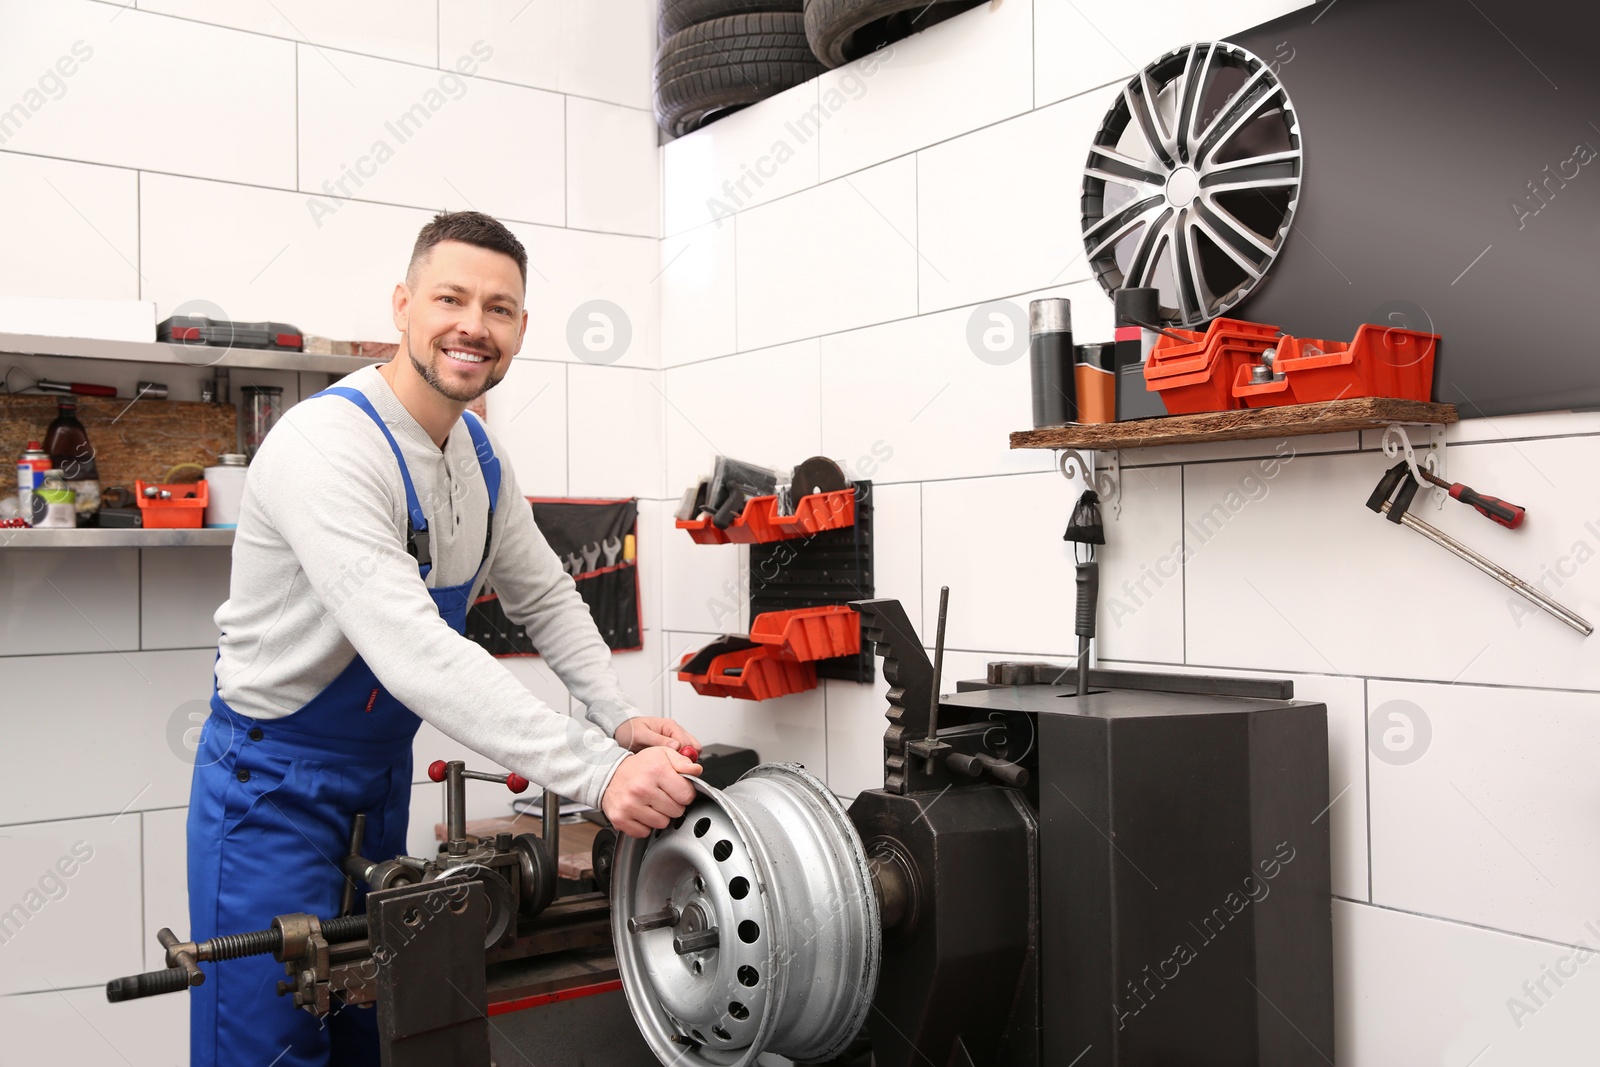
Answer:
(832, 567)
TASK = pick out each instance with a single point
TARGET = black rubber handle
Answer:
(1088, 596)
(730, 509)
(150, 984)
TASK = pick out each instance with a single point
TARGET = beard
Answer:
(461, 394)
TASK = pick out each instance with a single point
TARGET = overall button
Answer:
(255, 733)
(243, 775)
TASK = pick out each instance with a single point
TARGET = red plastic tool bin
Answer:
(1380, 361)
(1198, 375)
(184, 511)
(760, 522)
(783, 661)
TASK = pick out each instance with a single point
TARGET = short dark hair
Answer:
(472, 228)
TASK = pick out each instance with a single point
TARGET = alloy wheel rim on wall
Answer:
(775, 866)
(1192, 181)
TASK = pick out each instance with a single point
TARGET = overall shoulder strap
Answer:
(488, 462)
(416, 521)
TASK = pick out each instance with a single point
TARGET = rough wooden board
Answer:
(130, 440)
(1294, 420)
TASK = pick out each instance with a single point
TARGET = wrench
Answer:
(574, 564)
(613, 549)
(591, 558)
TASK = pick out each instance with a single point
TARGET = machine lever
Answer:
(226, 947)
(1006, 772)
(667, 916)
(182, 958)
(439, 770)
(353, 858)
(149, 984)
(961, 763)
(699, 941)
(454, 775)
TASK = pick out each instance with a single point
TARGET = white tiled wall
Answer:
(838, 256)
(833, 270)
(225, 112)
(934, 200)
(419, 135)
(275, 159)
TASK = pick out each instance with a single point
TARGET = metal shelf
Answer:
(198, 356)
(135, 537)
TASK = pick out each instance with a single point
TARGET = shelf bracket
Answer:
(1397, 442)
(1105, 480)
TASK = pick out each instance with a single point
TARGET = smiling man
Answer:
(372, 516)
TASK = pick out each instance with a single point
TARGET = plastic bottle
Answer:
(67, 442)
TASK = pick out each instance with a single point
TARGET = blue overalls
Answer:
(269, 820)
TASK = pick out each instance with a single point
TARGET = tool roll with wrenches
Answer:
(596, 541)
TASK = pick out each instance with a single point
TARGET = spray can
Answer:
(1050, 355)
(1097, 383)
(30, 476)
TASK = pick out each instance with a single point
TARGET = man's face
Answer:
(462, 316)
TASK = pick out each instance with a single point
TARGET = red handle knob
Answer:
(690, 753)
(439, 770)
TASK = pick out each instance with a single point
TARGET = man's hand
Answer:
(648, 790)
(642, 732)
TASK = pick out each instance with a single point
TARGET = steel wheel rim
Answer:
(800, 981)
(1192, 181)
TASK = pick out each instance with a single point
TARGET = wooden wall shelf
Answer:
(1295, 420)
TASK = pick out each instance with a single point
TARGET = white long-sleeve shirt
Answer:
(321, 573)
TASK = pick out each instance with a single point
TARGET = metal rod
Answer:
(1083, 667)
(1088, 580)
(180, 955)
(358, 831)
(1157, 329)
(455, 813)
(551, 824)
(938, 672)
(699, 941)
(656, 920)
(1497, 572)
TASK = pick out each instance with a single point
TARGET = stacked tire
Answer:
(717, 56)
(843, 30)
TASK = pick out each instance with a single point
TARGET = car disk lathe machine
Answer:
(1135, 876)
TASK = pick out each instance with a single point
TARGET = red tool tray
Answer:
(1380, 361)
(783, 659)
(760, 522)
(184, 511)
(1198, 376)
